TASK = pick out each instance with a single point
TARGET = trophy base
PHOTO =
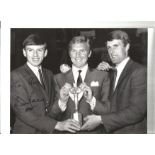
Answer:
(78, 117)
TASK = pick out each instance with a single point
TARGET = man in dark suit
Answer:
(32, 91)
(128, 95)
(94, 86)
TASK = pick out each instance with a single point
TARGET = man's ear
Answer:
(45, 53)
(24, 52)
(127, 47)
(89, 54)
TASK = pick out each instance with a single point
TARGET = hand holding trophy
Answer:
(86, 91)
(64, 92)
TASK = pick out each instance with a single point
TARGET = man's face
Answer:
(117, 50)
(79, 54)
(35, 54)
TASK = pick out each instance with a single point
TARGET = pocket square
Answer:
(94, 84)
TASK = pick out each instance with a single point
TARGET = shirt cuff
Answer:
(92, 103)
(62, 105)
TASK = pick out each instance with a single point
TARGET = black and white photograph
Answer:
(78, 80)
(77, 77)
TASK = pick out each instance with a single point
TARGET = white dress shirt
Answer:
(35, 70)
(75, 71)
(83, 73)
(120, 68)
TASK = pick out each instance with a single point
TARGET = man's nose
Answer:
(78, 54)
(112, 50)
(35, 53)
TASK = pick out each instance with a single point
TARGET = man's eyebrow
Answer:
(115, 44)
(42, 48)
(28, 48)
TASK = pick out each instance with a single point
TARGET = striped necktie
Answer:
(41, 78)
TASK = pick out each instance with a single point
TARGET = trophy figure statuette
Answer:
(76, 114)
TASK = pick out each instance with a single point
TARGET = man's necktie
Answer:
(41, 78)
(114, 79)
(79, 80)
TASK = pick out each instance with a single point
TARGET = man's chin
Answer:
(36, 64)
(79, 66)
(114, 61)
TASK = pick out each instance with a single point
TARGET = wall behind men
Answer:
(58, 39)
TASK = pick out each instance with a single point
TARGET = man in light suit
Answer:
(94, 87)
(32, 91)
(128, 95)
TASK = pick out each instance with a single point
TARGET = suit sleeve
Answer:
(55, 110)
(20, 102)
(136, 111)
(103, 104)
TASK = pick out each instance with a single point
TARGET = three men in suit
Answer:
(33, 88)
(94, 87)
(129, 98)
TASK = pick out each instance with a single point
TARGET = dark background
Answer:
(58, 38)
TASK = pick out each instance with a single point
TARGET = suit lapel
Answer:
(46, 91)
(31, 75)
(112, 82)
(45, 76)
(88, 77)
(34, 80)
(69, 77)
(124, 73)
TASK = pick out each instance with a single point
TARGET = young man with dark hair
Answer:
(32, 91)
(128, 95)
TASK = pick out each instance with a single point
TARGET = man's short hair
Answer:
(119, 34)
(78, 40)
(34, 39)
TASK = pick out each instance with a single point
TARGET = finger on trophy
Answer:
(86, 93)
(82, 86)
(72, 90)
(76, 124)
(68, 86)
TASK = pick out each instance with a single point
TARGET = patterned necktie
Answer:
(114, 79)
(79, 80)
(41, 78)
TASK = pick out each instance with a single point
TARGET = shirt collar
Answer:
(122, 64)
(33, 68)
(120, 68)
(83, 69)
(83, 72)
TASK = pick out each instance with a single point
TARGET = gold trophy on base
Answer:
(76, 115)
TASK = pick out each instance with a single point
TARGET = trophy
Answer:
(76, 114)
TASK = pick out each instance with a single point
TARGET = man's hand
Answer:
(91, 122)
(104, 66)
(68, 125)
(87, 91)
(64, 68)
(64, 92)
